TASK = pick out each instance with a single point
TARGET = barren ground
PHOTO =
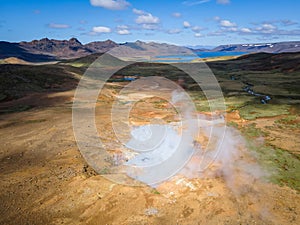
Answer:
(45, 180)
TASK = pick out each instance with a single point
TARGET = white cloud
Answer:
(58, 26)
(101, 29)
(216, 33)
(198, 35)
(123, 30)
(176, 14)
(295, 32)
(110, 4)
(138, 12)
(288, 22)
(191, 3)
(246, 30)
(217, 18)
(267, 28)
(122, 27)
(149, 26)
(147, 18)
(197, 29)
(227, 23)
(224, 2)
(186, 24)
(233, 29)
(174, 31)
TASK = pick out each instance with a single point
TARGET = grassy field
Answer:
(282, 165)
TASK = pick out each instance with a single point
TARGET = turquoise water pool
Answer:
(188, 58)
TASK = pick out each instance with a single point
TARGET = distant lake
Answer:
(218, 54)
(188, 58)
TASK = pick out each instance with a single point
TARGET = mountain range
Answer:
(279, 47)
(51, 49)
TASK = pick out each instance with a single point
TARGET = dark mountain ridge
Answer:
(52, 50)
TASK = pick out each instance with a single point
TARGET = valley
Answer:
(46, 180)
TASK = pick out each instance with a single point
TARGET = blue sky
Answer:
(182, 22)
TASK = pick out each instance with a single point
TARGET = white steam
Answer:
(163, 150)
(226, 156)
(199, 146)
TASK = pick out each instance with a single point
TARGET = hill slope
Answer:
(291, 46)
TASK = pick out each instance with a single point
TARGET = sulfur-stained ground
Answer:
(45, 180)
